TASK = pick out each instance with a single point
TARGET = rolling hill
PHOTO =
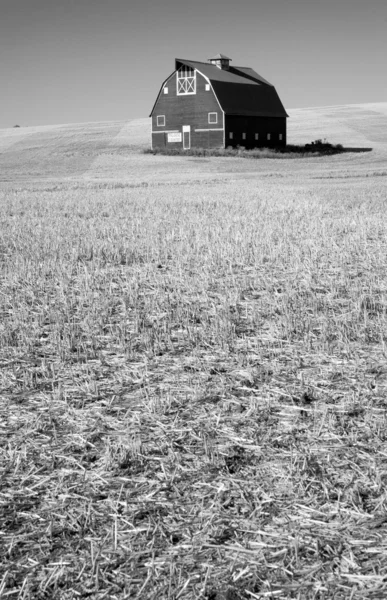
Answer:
(112, 151)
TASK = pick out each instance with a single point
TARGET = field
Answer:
(193, 373)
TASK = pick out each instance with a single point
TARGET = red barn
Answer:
(215, 105)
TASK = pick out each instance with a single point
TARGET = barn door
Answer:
(186, 137)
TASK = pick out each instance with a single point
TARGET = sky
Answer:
(74, 61)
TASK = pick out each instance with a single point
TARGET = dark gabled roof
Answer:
(212, 72)
(251, 100)
(240, 90)
(251, 74)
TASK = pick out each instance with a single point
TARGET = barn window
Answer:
(160, 120)
(231, 135)
(280, 137)
(268, 136)
(186, 81)
(257, 136)
(165, 90)
(213, 117)
(207, 87)
(243, 136)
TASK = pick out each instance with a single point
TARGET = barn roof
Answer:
(240, 90)
(212, 72)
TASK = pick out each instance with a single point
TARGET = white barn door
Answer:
(186, 137)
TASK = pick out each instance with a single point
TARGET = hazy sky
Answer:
(67, 61)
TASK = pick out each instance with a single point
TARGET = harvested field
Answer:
(193, 373)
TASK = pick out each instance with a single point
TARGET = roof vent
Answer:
(221, 61)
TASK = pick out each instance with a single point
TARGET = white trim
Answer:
(184, 78)
(168, 78)
(211, 129)
(167, 131)
(165, 90)
(187, 129)
(160, 91)
(216, 118)
(157, 121)
(207, 87)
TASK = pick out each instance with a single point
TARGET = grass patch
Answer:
(317, 148)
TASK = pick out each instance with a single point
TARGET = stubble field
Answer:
(193, 369)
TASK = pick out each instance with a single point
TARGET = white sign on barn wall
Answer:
(174, 137)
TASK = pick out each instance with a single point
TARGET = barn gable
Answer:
(257, 97)
(199, 103)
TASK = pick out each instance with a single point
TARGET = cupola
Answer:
(221, 61)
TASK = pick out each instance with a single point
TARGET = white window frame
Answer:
(230, 135)
(185, 84)
(268, 137)
(165, 90)
(211, 116)
(207, 87)
(157, 120)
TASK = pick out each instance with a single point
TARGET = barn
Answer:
(214, 105)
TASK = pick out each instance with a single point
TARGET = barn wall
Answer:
(209, 139)
(191, 109)
(252, 125)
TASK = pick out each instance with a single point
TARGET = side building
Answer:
(214, 105)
